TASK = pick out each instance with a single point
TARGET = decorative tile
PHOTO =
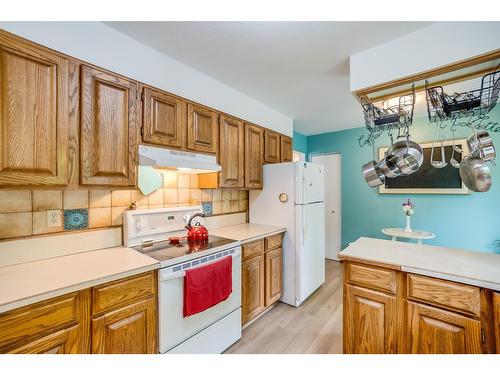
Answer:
(170, 179)
(117, 215)
(15, 200)
(47, 200)
(75, 199)
(183, 181)
(207, 208)
(76, 219)
(15, 224)
(100, 198)
(99, 217)
(120, 198)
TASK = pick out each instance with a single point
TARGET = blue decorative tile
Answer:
(76, 219)
(207, 208)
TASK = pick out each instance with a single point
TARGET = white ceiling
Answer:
(298, 68)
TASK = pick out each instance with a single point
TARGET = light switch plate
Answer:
(53, 218)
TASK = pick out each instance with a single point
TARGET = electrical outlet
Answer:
(53, 218)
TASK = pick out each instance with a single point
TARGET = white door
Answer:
(309, 183)
(332, 164)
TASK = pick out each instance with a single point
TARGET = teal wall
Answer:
(299, 142)
(462, 221)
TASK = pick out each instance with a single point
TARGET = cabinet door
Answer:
(129, 330)
(34, 115)
(254, 142)
(286, 149)
(496, 320)
(436, 331)
(109, 129)
(253, 288)
(64, 341)
(164, 119)
(274, 269)
(231, 152)
(202, 131)
(370, 321)
(271, 147)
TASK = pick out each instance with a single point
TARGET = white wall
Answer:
(436, 45)
(101, 45)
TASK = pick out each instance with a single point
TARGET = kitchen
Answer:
(152, 213)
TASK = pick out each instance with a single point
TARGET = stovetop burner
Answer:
(174, 247)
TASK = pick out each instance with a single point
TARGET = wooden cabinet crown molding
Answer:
(109, 127)
(35, 114)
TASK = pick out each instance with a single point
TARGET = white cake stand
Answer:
(418, 235)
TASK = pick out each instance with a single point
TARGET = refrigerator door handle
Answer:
(304, 221)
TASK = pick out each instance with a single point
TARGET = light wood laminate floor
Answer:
(313, 327)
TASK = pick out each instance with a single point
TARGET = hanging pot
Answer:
(372, 174)
(475, 173)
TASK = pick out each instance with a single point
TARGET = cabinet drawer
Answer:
(371, 277)
(273, 242)
(119, 293)
(444, 293)
(25, 324)
(252, 249)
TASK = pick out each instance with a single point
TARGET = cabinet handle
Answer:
(483, 336)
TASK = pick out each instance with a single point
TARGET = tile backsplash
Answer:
(24, 212)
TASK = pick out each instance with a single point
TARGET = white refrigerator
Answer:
(293, 197)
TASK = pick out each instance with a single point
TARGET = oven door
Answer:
(174, 328)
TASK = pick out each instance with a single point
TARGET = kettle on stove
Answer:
(196, 232)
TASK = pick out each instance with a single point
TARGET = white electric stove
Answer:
(160, 234)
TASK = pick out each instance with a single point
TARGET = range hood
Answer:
(187, 162)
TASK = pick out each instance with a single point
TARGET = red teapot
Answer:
(196, 232)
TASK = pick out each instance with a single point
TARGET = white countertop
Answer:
(469, 267)
(247, 232)
(27, 283)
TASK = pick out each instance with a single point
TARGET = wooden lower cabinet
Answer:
(496, 320)
(131, 330)
(415, 314)
(436, 331)
(370, 321)
(274, 277)
(253, 288)
(66, 325)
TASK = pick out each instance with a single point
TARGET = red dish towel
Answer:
(207, 285)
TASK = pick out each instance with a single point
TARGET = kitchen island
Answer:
(408, 298)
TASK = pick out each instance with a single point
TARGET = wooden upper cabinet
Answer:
(369, 321)
(436, 331)
(271, 147)
(231, 152)
(34, 114)
(109, 128)
(164, 119)
(202, 130)
(254, 152)
(286, 149)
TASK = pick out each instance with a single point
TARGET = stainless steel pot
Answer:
(409, 156)
(475, 173)
(372, 174)
(388, 166)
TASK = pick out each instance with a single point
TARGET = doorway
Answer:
(332, 164)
